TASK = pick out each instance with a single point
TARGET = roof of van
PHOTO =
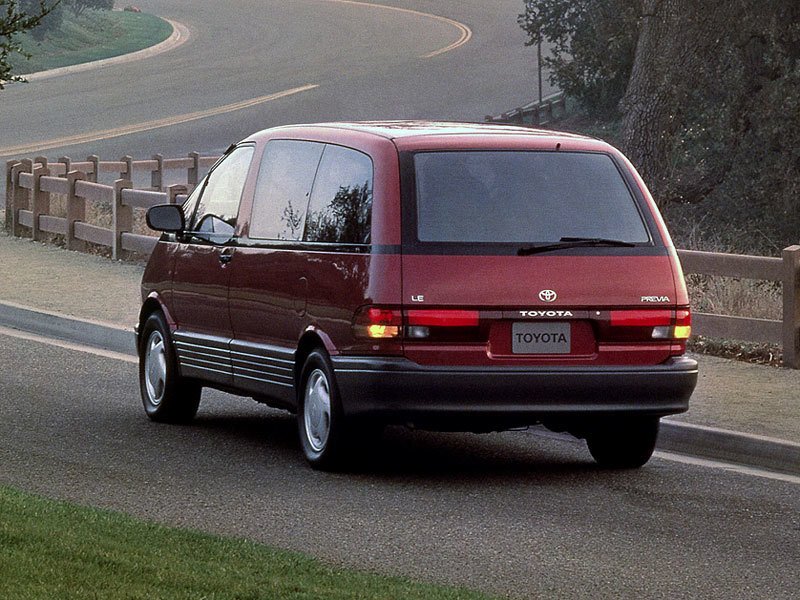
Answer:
(408, 129)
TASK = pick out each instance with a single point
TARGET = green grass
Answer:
(93, 36)
(52, 549)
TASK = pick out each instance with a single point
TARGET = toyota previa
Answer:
(447, 276)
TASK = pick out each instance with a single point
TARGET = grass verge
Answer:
(52, 549)
(93, 36)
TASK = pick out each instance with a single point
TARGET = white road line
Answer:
(31, 337)
(466, 32)
(725, 466)
(94, 136)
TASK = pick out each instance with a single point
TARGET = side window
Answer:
(219, 202)
(341, 203)
(283, 189)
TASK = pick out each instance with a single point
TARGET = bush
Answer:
(51, 22)
(79, 6)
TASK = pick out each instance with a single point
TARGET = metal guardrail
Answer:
(536, 113)
(29, 184)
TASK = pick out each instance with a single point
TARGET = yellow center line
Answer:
(94, 136)
(466, 32)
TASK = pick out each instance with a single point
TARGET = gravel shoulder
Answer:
(52, 279)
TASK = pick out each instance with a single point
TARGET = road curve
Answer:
(382, 59)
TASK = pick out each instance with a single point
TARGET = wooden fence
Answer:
(29, 184)
(785, 269)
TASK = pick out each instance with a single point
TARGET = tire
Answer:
(167, 397)
(624, 444)
(324, 431)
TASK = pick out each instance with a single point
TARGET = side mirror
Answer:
(166, 217)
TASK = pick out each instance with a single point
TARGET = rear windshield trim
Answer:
(413, 245)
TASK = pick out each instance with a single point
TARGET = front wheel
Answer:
(167, 397)
(624, 444)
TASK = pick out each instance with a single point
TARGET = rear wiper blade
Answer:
(573, 242)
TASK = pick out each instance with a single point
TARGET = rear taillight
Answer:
(436, 324)
(645, 325)
(683, 325)
(372, 322)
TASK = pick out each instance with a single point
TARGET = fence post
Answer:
(173, 191)
(157, 176)
(19, 197)
(791, 307)
(76, 211)
(10, 164)
(40, 200)
(121, 218)
(95, 160)
(67, 162)
(127, 174)
(193, 174)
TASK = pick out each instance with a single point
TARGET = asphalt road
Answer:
(512, 513)
(368, 62)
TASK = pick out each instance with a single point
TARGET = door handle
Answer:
(225, 258)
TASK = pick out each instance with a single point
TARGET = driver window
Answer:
(218, 206)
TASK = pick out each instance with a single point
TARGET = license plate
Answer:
(540, 338)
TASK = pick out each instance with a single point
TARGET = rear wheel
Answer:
(325, 434)
(624, 444)
(167, 397)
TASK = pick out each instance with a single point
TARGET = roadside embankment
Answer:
(92, 36)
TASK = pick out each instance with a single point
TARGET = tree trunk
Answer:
(656, 88)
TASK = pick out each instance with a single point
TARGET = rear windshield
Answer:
(523, 197)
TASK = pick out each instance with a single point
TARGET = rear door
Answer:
(530, 257)
(268, 286)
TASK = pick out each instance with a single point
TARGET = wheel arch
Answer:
(151, 304)
(312, 339)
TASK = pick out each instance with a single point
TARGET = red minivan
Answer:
(447, 276)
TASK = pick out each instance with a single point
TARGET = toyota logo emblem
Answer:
(547, 296)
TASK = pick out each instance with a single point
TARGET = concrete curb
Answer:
(96, 334)
(682, 438)
(731, 446)
(180, 35)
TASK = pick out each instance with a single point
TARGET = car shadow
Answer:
(268, 435)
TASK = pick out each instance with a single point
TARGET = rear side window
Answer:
(283, 189)
(341, 202)
(523, 197)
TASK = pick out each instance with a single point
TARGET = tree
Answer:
(592, 45)
(18, 16)
(699, 72)
(708, 94)
(50, 22)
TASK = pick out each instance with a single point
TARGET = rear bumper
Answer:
(396, 389)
